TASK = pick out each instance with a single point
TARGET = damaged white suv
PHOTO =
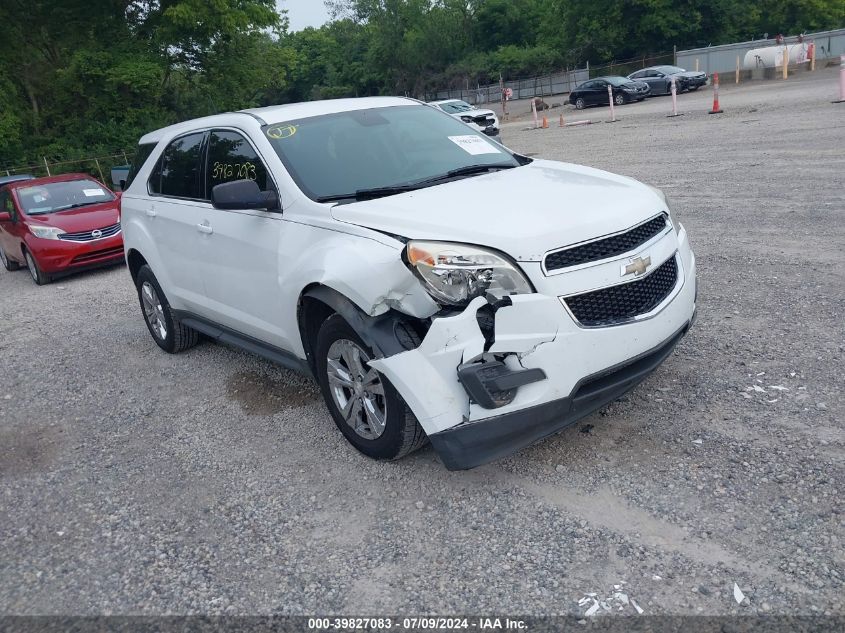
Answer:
(438, 286)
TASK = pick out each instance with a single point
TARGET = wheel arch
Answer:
(386, 334)
(134, 260)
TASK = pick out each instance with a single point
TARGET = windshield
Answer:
(617, 81)
(456, 107)
(338, 155)
(58, 196)
(670, 70)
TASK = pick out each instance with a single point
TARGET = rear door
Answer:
(174, 212)
(240, 250)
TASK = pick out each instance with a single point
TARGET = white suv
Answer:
(437, 285)
(480, 120)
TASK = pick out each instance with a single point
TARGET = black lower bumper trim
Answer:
(472, 444)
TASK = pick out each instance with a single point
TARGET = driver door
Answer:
(239, 249)
(10, 230)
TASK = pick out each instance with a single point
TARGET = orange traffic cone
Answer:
(561, 119)
(716, 109)
(545, 122)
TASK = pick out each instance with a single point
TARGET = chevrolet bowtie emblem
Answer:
(637, 266)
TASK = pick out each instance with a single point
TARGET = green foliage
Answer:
(87, 77)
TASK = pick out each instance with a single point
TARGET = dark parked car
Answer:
(5, 180)
(659, 78)
(594, 92)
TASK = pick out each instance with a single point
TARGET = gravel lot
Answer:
(132, 481)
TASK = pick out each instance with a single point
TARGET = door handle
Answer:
(205, 228)
(151, 213)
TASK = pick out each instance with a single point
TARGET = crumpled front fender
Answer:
(427, 377)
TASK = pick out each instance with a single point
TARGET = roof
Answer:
(4, 180)
(34, 182)
(281, 113)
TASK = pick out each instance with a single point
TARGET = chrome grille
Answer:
(88, 236)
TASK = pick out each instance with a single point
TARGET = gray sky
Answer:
(302, 13)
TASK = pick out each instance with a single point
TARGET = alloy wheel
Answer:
(30, 263)
(357, 390)
(153, 312)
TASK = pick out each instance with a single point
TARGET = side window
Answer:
(178, 171)
(589, 85)
(141, 155)
(231, 157)
(639, 75)
(6, 204)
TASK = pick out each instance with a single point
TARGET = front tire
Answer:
(38, 276)
(366, 408)
(8, 264)
(167, 331)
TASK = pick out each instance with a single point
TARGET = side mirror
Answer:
(5, 217)
(243, 194)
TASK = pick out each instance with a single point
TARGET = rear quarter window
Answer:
(141, 155)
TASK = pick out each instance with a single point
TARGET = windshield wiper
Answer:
(469, 170)
(382, 192)
(75, 205)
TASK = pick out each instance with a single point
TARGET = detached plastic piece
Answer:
(493, 384)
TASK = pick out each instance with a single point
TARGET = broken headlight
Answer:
(454, 274)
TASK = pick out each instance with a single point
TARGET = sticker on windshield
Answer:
(90, 193)
(472, 144)
(281, 131)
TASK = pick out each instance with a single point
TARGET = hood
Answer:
(523, 212)
(691, 73)
(477, 112)
(96, 216)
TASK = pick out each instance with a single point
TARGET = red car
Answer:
(59, 225)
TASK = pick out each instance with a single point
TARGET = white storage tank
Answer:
(772, 56)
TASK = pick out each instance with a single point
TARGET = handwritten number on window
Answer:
(233, 171)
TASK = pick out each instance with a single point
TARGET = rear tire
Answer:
(38, 276)
(579, 103)
(167, 331)
(8, 264)
(619, 99)
(366, 408)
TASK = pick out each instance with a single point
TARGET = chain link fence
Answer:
(97, 166)
(556, 83)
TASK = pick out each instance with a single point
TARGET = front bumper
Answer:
(470, 445)
(583, 367)
(57, 256)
